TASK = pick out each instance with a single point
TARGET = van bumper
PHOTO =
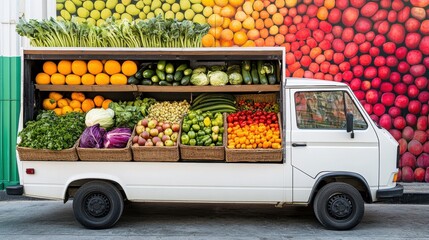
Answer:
(15, 190)
(396, 191)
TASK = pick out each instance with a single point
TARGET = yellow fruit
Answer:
(180, 16)
(59, 6)
(106, 103)
(70, 7)
(208, 3)
(110, 4)
(132, 10)
(82, 12)
(89, 5)
(112, 67)
(126, 2)
(58, 79)
(55, 95)
(75, 104)
(102, 79)
(207, 11)
(170, 1)
(197, 8)
(159, 11)
(73, 79)
(189, 14)
(95, 14)
(195, 1)
(98, 100)
(199, 18)
(106, 13)
(49, 104)
(95, 66)
(88, 79)
(79, 67)
(49, 67)
(79, 110)
(78, 96)
(120, 8)
(175, 7)
(117, 16)
(129, 68)
(147, 2)
(43, 78)
(100, 22)
(66, 110)
(118, 79)
(65, 15)
(99, 5)
(58, 111)
(142, 15)
(65, 67)
(127, 17)
(62, 103)
(91, 21)
(77, 2)
(169, 15)
(87, 105)
(140, 5)
(185, 4)
(150, 15)
(156, 4)
(146, 9)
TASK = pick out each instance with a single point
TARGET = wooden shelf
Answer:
(169, 89)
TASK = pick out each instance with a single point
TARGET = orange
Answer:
(68, 100)
(216, 32)
(240, 38)
(73, 79)
(78, 96)
(253, 34)
(56, 96)
(215, 20)
(66, 110)
(58, 111)
(102, 79)
(235, 26)
(62, 103)
(112, 67)
(75, 104)
(329, 4)
(249, 43)
(227, 11)
(98, 100)
(240, 16)
(106, 103)
(274, 30)
(271, 9)
(118, 79)
(58, 79)
(79, 67)
(226, 22)
(226, 34)
(49, 67)
(208, 40)
(49, 104)
(226, 43)
(221, 3)
(277, 19)
(43, 78)
(88, 79)
(209, 3)
(129, 68)
(65, 67)
(87, 105)
(236, 3)
(95, 66)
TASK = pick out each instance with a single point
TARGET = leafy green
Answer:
(128, 113)
(53, 132)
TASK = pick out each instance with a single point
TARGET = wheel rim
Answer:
(97, 205)
(340, 206)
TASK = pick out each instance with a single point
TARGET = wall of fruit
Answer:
(380, 48)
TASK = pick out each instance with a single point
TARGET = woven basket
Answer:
(256, 155)
(106, 154)
(31, 154)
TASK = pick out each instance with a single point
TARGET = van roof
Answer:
(308, 82)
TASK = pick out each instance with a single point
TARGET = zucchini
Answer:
(185, 80)
(187, 71)
(226, 100)
(146, 82)
(254, 74)
(182, 67)
(272, 79)
(161, 65)
(178, 75)
(164, 83)
(247, 79)
(133, 80)
(217, 102)
(218, 108)
(169, 68)
(160, 74)
(148, 73)
(246, 65)
(261, 73)
(139, 73)
(169, 77)
(204, 96)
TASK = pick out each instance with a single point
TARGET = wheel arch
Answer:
(354, 179)
(75, 184)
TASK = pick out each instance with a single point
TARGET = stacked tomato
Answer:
(253, 129)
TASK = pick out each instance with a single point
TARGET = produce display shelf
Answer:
(143, 88)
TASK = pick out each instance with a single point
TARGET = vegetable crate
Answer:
(258, 154)
(31, 154)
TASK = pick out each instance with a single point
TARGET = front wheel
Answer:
(98, 205)
(338, 206)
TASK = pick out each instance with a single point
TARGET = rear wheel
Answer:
(338, 206)
(98, 205)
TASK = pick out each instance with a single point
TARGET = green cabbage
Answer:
(235, 78)
(199, 79)
(217, 78)
(104, 117)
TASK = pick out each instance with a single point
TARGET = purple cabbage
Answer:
(117, 138)
(92, 137)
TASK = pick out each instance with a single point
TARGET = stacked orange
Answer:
(93, 72)
(77, 103)
(254, 136)
(246, 23)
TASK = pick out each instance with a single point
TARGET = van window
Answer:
(326, 110)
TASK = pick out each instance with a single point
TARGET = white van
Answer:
(335, 158)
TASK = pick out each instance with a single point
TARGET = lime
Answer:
(147, 2)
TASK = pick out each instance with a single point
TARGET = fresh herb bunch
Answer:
(154, 32)
(53, 132)
(128, 113)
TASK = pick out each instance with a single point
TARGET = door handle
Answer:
(299, 145)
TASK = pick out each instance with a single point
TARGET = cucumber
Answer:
(169, 68)
(225, 100)
(272, 79)
(132, 80)
(246, 65)
(139, 73)
(178, 75)
(148, 73)
(254, 74)
(185, 80)
(160, 74)
(182, 67)
(211, 103)
(261, 73)
(176, 83)
(169, 77)
(203, 96)
(219, 108)
(161, 65)
(187, 71)
(164, 83)
(146, 82)
(247, 78)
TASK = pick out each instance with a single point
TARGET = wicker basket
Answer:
(255, 155)
(31, 154)
(106, 154)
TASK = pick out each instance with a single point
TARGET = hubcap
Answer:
(97, 205)
(340, 206)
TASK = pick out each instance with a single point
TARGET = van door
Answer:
(321, 144)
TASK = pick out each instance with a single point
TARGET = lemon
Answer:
(132, 10)
(116, 15)
(185, 5)
(198, 8)
(147, 2)
(100, 22)
(126, 2)
(70, 7)
(199, 18)
(146, 9)
(140, 5)
(170, 1)
(208, 11)
(195, 1)
(77, 2)
(127, 16)
(99, 5)
(65, 14)
(166, 7)
(95, 14)
(169, 14)
(110, 4)
(155, 5)
(89, 5)
(59, 18)
(175, 7)
(142, 15)
(150, 15)
(120, 8)
(106, 13)
(189, 14)
(180, 16)
(91, 21)
(60, 6)
(82, 12)
(159, 11)
(79, 19)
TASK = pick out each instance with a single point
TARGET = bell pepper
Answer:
(184, 139)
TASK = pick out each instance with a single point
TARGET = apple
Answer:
(135, 139)
(174, 136)
(145, 135)
(136, 145)
(161, 134)
(144, 122)
(148, 143)
(153, 132)
(165, 138)
(155, 140)
(175, 127)
(169, 143)
(152, 123)
(165, 126)
(139, 129)
(168, 131)
(159, 128)
(159, 144)
(141, 141)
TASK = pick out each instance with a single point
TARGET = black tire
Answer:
(98, 205)
(338, 206)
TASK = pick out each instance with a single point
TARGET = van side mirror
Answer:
(349, 124)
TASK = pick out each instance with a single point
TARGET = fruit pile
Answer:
(92, 72)
(150, 132)
(202, 129)
(76, 103)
